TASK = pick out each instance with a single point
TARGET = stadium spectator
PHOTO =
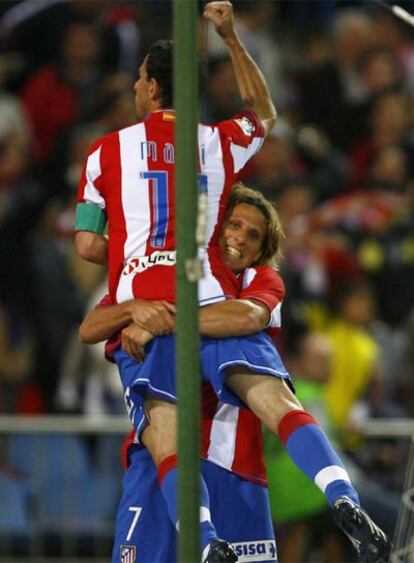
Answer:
(330, 93)
(72, 80)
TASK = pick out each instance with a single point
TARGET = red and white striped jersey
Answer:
(262, 283)
(259, 283)
(131, 175)
(231, 436)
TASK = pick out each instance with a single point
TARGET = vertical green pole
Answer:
(186, 193)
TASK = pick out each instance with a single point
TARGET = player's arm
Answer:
(234, 317)
(92, 247)
(251, 82)
(105, 320)
(91, 218)
(257, 307)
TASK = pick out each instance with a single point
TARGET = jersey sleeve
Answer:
(264, 284)
(244, 133)
(90, 188)
(91, 205)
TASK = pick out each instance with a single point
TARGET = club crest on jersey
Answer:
(138, 264)
(246, 125)
(128, 553)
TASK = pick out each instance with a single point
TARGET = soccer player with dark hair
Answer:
(129, 179)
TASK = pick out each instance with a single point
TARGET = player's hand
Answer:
(157, 317)
(221, 15)
(133, 340)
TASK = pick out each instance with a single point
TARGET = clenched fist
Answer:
(221, 15)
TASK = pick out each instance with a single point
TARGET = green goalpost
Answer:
(186, 193)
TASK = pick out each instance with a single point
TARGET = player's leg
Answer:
(160, 438)
(147, 386)
(241, 513)
(274, 404)
(250, 369)
(142, 528)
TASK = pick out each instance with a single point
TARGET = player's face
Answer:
(242, 236)
(142, 89)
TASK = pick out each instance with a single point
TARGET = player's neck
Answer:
(159, 108)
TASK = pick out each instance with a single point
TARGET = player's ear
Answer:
(154, 89)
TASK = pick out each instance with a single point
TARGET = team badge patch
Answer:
(128, 553)
(246, 125)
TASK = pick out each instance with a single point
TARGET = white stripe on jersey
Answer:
(248, 277)
(135, 202)
(275, 320)
(135, 192)
(93, 171)
(223, 436)
(211, 163)
(241, 155)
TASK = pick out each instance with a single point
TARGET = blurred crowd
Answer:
(338, 167)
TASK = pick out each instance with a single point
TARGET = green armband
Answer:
(90, 217)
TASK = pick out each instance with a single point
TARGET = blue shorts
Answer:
(256, 352)
(240, 512)
(156, 375)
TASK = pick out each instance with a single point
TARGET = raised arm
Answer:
(251, 82)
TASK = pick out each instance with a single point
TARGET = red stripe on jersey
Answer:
(83, 180)
(292, 421)
(229, 282)
(248, 457)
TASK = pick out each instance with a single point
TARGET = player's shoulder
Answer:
(111, 140)
(113, 136)
(263, 279)
(246, 122)
(264, 273)
(102, 140)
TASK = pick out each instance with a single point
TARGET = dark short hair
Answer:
(159, 65)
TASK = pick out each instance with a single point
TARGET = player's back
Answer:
(131, 175)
